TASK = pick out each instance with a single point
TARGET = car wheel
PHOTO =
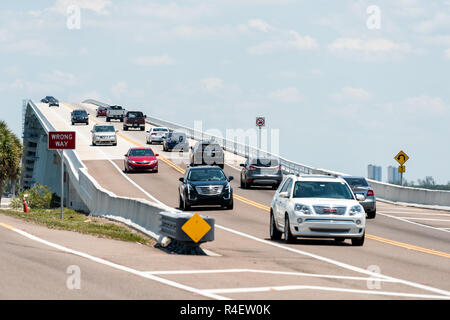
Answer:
(72, 123)
(108, 119)
(142, 129)
(93, 143)
(275, 234)
(358, 242)
(274, 187)
(87, 123)
(115, 144)
(242, 184)
(288, 237)
(125, 128)
(371, 214)
(230, 205)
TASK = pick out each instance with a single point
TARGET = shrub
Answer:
(39, 197)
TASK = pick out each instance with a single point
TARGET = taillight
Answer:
(370, 193)
(153, 134)
(252, 168)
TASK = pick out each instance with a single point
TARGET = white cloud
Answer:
(350, 94)
(58, 76)
(286, 95)
(440, 20)
(447, 53)
(119, 88)
(284, 41)
(212, 84)
(259, 25)
(172, 11)
(369, 48)
(421, 104)
(153, 61)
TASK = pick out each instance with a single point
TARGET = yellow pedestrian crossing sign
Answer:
(401, 158)
(196, 227)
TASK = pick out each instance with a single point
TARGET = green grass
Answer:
(79, 222)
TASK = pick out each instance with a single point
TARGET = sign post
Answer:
(401, 158)
(260, 122)
(61, 140)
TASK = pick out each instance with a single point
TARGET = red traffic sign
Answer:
(61, 140)
(260, 121)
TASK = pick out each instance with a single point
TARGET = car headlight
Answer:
(356, 210)
(153, 161)
(301, 208)
(131, 161)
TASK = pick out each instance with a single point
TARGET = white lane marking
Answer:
(418, 213)
(118, 266)
(412, 222)
(294, 287)
(425, 219)
(285, 273)
(336, 263)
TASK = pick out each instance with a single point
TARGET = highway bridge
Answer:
(405, 256)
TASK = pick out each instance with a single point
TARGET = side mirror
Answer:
(360, 197)
(156, 154)
(117, 131)
(242, 164)
(230, 178)
(284, 194)
(92, 131)
(125, 155)
(181, 180)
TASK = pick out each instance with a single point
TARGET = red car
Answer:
(101, 112)
(138, 159)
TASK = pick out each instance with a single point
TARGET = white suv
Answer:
(317, 206)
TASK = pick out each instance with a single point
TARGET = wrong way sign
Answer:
(61, 140)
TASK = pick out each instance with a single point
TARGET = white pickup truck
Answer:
(115, 112)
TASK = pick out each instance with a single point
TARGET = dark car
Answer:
(134, 119)
(262, 172)
(176, 141)
(101, 112)
(360, 185)
(79, 116)
(207, 153)
(205, 185)
(51, 101)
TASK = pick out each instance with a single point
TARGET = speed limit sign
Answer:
(260, 122)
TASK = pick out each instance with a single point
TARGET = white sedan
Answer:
(157, 134)
(317, 207)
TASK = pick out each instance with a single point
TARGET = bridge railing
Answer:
(382, 190)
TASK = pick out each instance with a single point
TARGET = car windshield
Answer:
(115, 107)
(320, 189)
(356, 182)
(80, 112)
(264, 162)
(206, 174)
(104, 129)
(160, 130)
(135, 115)
(141, 153)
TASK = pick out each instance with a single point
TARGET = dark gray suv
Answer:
(360, 185)
(261, 171)
(207, 153)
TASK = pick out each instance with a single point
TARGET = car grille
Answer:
(142, 162)
(339, 210)
(209, 190)
(323, 230)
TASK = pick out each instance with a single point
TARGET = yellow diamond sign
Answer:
(196, 228)
(401, 158)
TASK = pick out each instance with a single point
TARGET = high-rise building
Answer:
(393, 175)
(374, 172)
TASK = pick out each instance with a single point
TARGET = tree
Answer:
(10, 156)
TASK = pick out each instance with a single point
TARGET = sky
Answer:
(346, 83)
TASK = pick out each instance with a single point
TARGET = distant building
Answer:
(374, 172)
(393, 175)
